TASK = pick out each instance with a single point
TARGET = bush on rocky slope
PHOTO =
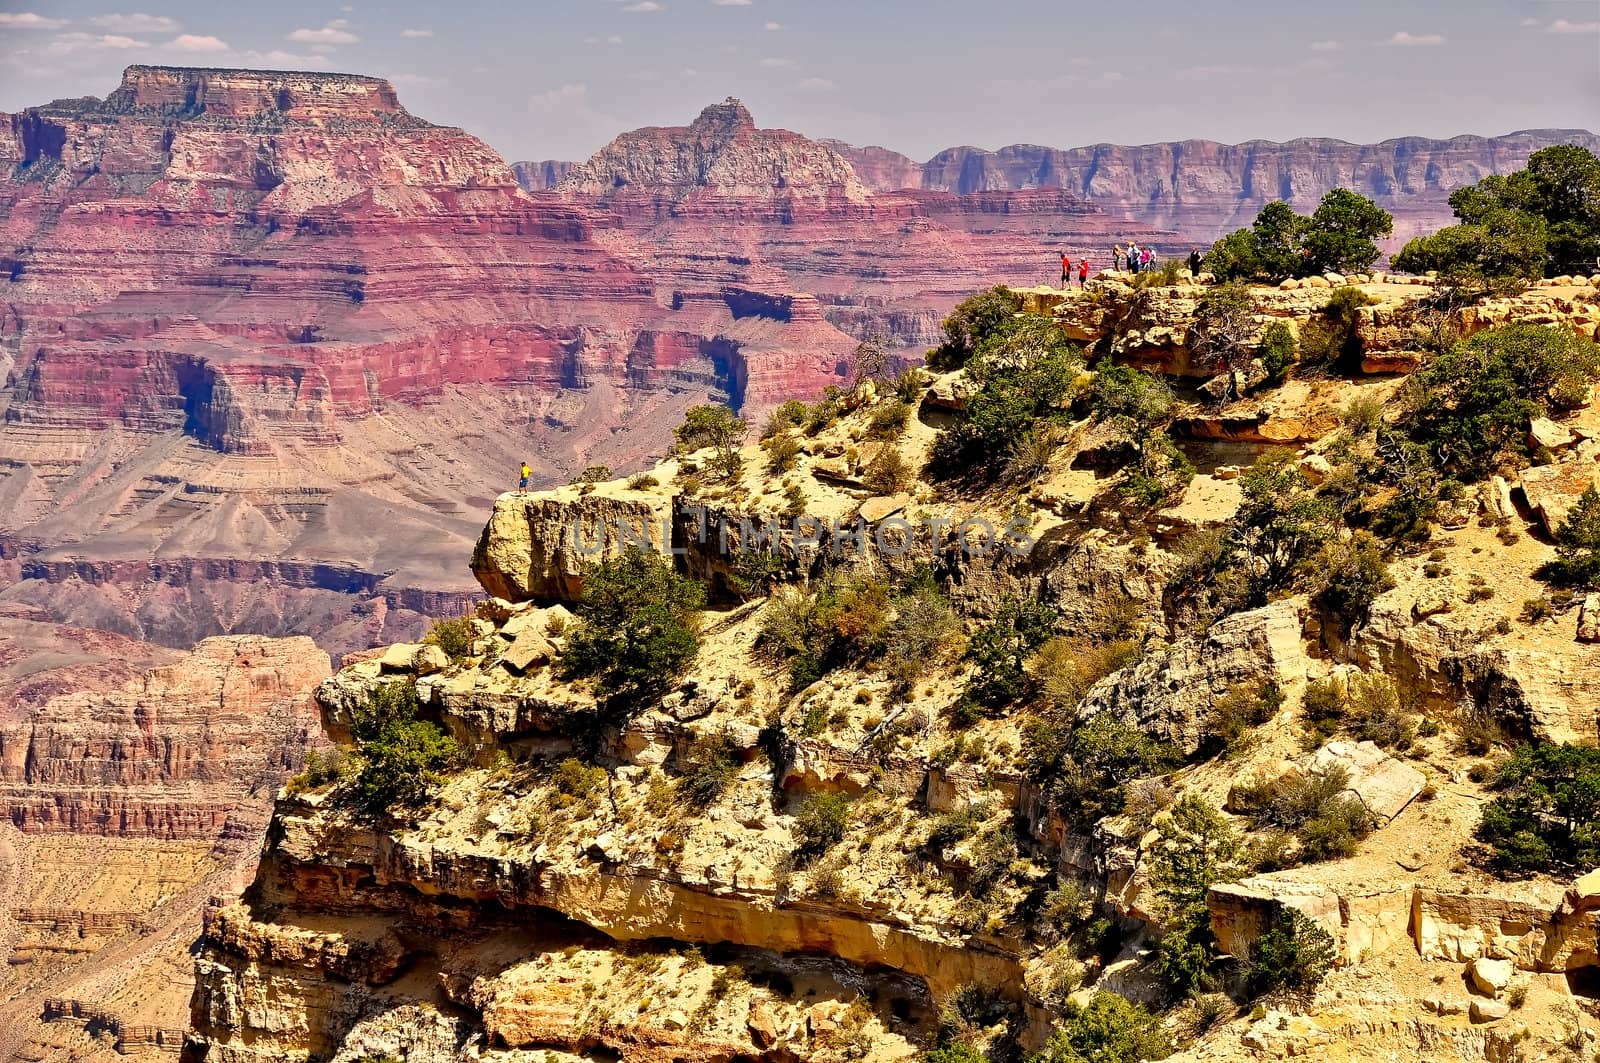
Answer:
(1545, 817)
(1577, 562)
(1108, 1029)
(1198, 848)
(638, 629)
(1018, 381)
(400, 758)
(971, 323)
(1472, 406)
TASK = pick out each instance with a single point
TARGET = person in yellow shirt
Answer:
(527, 474)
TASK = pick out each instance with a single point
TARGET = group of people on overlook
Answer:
(1132, 258)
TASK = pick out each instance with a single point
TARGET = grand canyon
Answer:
(273, 349)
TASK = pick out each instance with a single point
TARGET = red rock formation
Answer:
(171, 754)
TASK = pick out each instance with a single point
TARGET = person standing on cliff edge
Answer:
(1066, 270)
(1194, 262)
(527, 474)
(1083, 273)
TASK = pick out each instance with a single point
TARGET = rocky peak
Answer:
(722, 120)
(721, 154)
(222, 93)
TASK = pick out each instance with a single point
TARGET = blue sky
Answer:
(543, 79)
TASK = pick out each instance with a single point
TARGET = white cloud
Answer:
(1326, 46)
(192, 42)
(335, 32)
(1530, 21)
(644, 6)
(136, 22)
(690, 72)
(1561, 25)
(71, 43)
(773, 62)
(816, 85)
(773, 27)
(416, 33)
(282, 60)
(27, 20)
(1414, 40)
(733, 3)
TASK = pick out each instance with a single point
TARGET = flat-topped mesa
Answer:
(290, 95)
(720, 155)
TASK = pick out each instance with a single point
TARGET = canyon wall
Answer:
(130, 797)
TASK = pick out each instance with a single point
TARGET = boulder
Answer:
(1545, 434)
(1438, 597)
(1316, 282)
(1551, 490)
(1384, 784)
(947, 392)
(1169, 693)
(430, 660)
(537, 545)
(875, 509)
(1489, 1010)
(401, 657)
(1289, 285)
(1490, 977)
(763, 1025)
(529, 650)
(1589, 619)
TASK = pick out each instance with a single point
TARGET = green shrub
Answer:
(971, 323)
(1000, 652)
(1349, 576)
(1030, 454)
(888, 473)
(1198, 848)
(1278, 351)
(716, 427)
(1018, 380)
(923, 624)
(888, 420)
(402, 759)
(783, 451)
(642, 481)
(637, 631)
(1362, 414)
(1472, 406)
(577, 785)
(1577, 562)
(909, 384)
(593, 474)
(847, 619)
(709, 767)
(1327, 821)
(455, 637)
(1109, 1029)
(1231, 719)
(1544, 817)
(1290, 958)
(791, 414)
(820, 824)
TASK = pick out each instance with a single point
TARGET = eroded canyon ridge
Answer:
(272, 346)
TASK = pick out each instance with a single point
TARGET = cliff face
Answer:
(126, 804)
(1200, 189)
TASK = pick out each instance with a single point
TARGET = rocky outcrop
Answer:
(1169, 692)
(536, 546)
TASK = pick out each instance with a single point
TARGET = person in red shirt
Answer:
(1066, 270)
(1083, 273)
